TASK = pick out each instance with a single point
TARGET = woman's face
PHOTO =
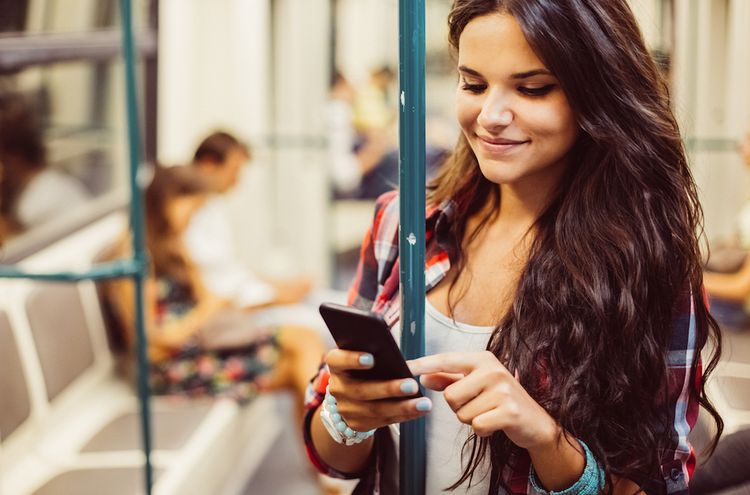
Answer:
(510, 107)
(181, 209)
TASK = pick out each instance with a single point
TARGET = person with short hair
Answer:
(210, 240)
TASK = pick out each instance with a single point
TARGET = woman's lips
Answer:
(499, 145)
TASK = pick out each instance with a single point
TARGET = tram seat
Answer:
(70, 424)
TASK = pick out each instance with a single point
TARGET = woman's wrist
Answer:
(337, 426)
(589, 482)
(558, 459)
(548, 437)
(346, 460)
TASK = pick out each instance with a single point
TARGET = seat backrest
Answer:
(61, 335)
(14, 393)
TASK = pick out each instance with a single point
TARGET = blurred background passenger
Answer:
(349, 162)
(198, 344)
(727, 274)
(373, 110)
(210, 242)
(31, 191)
(209, 239)
(362, 137)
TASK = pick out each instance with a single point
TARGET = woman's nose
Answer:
(496, 113)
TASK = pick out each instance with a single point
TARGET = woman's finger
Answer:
(474, 408)
(366, 415)
(488, 422)
(439, 381)
(344, 387)
(339, 360)
(449, 362)
(463, 391)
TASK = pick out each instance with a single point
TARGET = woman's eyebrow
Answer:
(471, 72)
(530, 73)
(519, 75)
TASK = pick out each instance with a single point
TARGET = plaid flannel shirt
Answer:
(376, 288)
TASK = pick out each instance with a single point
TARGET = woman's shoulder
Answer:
(387, 212)
(387, 201)
(386, 218)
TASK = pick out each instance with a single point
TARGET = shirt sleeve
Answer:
(377, 254)
(361, 294)
(684, 376)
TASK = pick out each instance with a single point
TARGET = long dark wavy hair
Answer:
(163, 242)
(614, 251)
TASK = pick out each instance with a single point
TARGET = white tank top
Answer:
(445, 433)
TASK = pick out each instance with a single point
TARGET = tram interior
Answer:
(266, 72)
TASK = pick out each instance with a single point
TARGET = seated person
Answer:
(730, 292)
(198, 345)
(209, 240)
(31, 191)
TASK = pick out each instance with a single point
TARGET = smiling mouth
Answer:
(500, 141)
(499, 145)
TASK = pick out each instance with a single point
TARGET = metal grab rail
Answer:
(136, 226)
(412, 220)
(113, 269)
(135, 267)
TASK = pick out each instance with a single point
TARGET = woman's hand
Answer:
(483, 394)
(368, 404)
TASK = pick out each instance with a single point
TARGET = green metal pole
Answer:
(136, 223)
(412, 234)
(113, 269)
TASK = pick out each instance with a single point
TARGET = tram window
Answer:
(62, 123)
(63, 131)
(65, 16)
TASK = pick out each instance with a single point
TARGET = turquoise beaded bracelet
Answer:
(336, 426)
(591, 481)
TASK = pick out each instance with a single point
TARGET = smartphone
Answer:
(363, 331)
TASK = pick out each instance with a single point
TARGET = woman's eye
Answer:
(536, 91)
(473, 88)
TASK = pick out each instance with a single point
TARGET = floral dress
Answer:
(239, 373)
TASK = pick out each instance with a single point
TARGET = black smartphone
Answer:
(362, 331)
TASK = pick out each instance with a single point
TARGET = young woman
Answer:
(187, 356)
(565, 312)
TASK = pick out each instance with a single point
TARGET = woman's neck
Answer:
(522, 202)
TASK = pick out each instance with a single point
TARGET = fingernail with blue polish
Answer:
(424, 405)
(366, 360)
(409, 387)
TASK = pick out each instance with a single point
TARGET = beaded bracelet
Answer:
(336, 426)
(590, 483)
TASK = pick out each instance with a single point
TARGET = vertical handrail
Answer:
(412, 232)
(136, 225)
